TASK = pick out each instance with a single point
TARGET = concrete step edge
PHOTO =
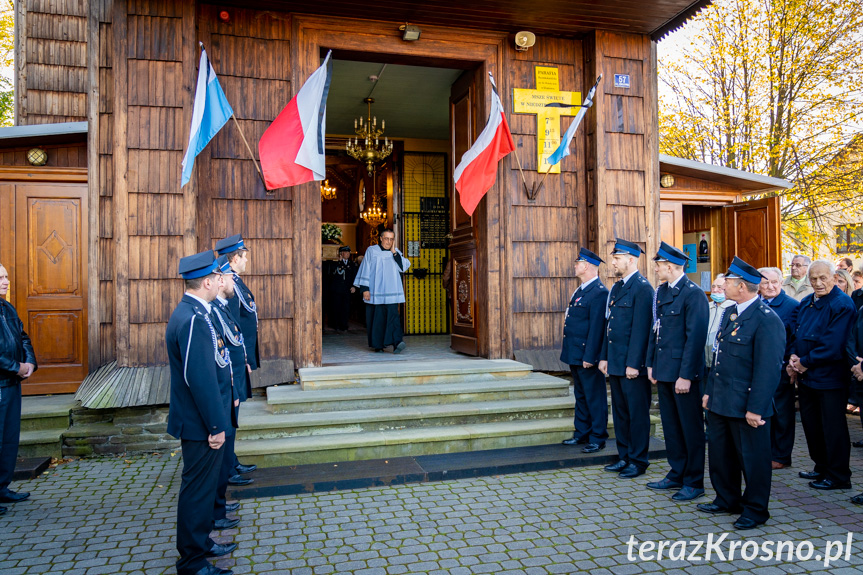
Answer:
(249, 420)
(41, 436)
(407, 369)
(402, 436)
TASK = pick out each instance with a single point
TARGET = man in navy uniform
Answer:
(583, 332)
(229, 330)
(624, 351)
(819, 363)
(783, 421)
(739, 397)
(17, 363)
(200, 412)
(245, 310)
(675, 364)
(855, 360)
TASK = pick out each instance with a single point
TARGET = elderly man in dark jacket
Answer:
(819, 363)
(783, 421)
(17, 363)
(738, 397)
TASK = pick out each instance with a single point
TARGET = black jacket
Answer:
(748, 363)
(244, 308)
(15, 345)
(676, 348)
(630, 317)
(584, 326)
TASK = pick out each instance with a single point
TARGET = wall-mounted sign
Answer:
(621, 80)
(527, 101)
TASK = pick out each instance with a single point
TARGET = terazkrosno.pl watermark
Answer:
(716, 549)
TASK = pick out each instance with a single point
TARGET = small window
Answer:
(849, 238)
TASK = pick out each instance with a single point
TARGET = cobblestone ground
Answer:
(116, 515)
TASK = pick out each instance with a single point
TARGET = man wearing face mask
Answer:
(783, 420)
(379, 280)
(716, 306)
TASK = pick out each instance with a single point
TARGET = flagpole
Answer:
(251, 154)
(523, 181)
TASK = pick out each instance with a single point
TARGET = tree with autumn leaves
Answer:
(7, 57)
(774, 87)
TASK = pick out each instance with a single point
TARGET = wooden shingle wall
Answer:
(52, 75)
(251, 55)
(104, 175)
(547, 232)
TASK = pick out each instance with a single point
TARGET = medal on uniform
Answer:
(733, 317)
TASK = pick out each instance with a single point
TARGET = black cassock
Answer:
(340, 279)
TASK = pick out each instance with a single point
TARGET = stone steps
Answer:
(399, 373)
(293, 399)
(44, 420)
(258, 423)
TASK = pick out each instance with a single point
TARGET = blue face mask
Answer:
(718, 297)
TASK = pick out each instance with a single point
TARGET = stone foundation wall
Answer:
(120, 430)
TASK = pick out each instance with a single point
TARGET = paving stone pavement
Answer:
(117, 515)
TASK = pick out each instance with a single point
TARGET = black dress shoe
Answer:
(857, 499)
(593, 447)
(213, 570)
(218, 549)
(399, 348)
(665, 483)
(2, 510)
(9, 496)
(630, 471)
(828, 484)
(715, 509)
(688, 493)
(744, 523)
(232, 506)
(810, 475)
(239, 480)
(573, 441)
(858, 443)
(243, 469)
(616, 467)
(226, 523)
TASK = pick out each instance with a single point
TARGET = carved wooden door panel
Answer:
(752, 233)
(50, 279)
(463, 126)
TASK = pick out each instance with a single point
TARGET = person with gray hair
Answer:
(783, 421)
(797, 284)
(716, 308)
(819, 364)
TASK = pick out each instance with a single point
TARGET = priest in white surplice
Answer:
(379, 279)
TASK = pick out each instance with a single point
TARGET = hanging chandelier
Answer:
(374, 216)
(328, 192)
(367, 148)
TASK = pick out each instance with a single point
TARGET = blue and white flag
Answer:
(563, 150)
(210, 113)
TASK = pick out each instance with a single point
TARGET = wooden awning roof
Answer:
(747, 183)
(554, 17)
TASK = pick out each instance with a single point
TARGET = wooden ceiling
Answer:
(552, 17)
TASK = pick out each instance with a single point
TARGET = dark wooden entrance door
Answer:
(49, 275)
(752, 233)
(463, 248)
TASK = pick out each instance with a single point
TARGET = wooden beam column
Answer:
(93, 182)
(190, 76)
(121, 182)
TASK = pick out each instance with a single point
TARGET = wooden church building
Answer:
(104, 92)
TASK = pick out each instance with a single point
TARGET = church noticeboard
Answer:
(434, 223)
(526, 101)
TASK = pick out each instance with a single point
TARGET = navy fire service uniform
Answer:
(783, 421)
(676, 350)
(200, 407)
(243, 306)
(749, 349)
(627, 331)
(583, 332)
(229, 330)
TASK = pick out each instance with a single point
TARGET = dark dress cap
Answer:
(198, 265)
(671, 254)
(585, 255)
(224, 265)
(344, 249)
(625, 247)
(739, 269)
(230, 244)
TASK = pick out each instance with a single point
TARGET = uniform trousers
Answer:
(822, 414)
(201, 466)
(682, 424)
(630, 407)
(738, 448)
(10, 430)
(591, 404)
(782, 422)
(226, 471)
